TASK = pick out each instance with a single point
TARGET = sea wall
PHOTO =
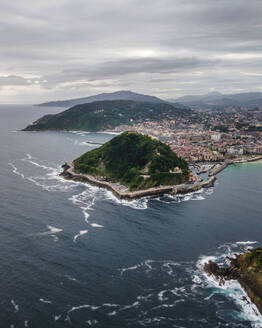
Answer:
(221, 166)
(69, 174)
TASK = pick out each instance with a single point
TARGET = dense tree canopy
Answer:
(135, 160)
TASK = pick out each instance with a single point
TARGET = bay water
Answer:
(73, 255)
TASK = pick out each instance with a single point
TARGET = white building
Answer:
(216, 136)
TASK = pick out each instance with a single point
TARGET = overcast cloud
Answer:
(168, 48)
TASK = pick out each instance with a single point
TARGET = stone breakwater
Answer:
(122, 192)
(221, 166)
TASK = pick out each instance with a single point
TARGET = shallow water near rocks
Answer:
(73, 255)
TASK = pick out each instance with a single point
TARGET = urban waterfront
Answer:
(75, 256)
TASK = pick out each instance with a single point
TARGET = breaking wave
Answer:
(81, 233)
(46, 176)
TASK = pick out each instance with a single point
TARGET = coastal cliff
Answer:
(246, 269)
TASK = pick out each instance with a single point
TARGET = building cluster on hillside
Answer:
(216, 136)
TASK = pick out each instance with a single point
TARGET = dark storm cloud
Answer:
(69, 48)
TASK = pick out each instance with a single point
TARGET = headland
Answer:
(246, 269)
(123, 192)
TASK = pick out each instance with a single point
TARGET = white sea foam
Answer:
(75, 308)
(95, 225)
(129, 306)
(85, 200)
(80, 307)
(86, 143)
(246, 242)
(198, 197)
(192, 196)
(134, 267)
(55, 238)
(167, 199)
(79, 132)
(148, 266)
(92, 322)
(161, 295)
(168, 266)
(49, 181)
(52, 182)
(16, 306)
(209, 191)
(57, 317)
(52, 230)
(80, 143)
(138, 204)
(110, 132)
(15, 170)
(81, 233)
(197, 279)
(44, 301)
(70, 278)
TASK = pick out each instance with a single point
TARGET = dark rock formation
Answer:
(246, 269)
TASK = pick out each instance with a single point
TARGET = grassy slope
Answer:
(130, 156)
(252, 263)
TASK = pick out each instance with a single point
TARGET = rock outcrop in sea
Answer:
(246, 269)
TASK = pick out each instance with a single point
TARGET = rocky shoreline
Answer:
(122, 192)
(221, 166)
(238, 270)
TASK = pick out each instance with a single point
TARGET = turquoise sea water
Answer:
(74, 256)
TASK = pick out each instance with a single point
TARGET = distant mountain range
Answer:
(216, 100)
(108, 114)
(118, 95)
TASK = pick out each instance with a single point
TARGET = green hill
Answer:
(252, 263)
(136, 161)
(104, 115)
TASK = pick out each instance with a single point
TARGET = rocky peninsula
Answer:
(246, 269)
(122, 192)
(133, 165)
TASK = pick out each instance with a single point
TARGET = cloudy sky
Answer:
(168, 48)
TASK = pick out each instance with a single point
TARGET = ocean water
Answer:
(73, 255)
